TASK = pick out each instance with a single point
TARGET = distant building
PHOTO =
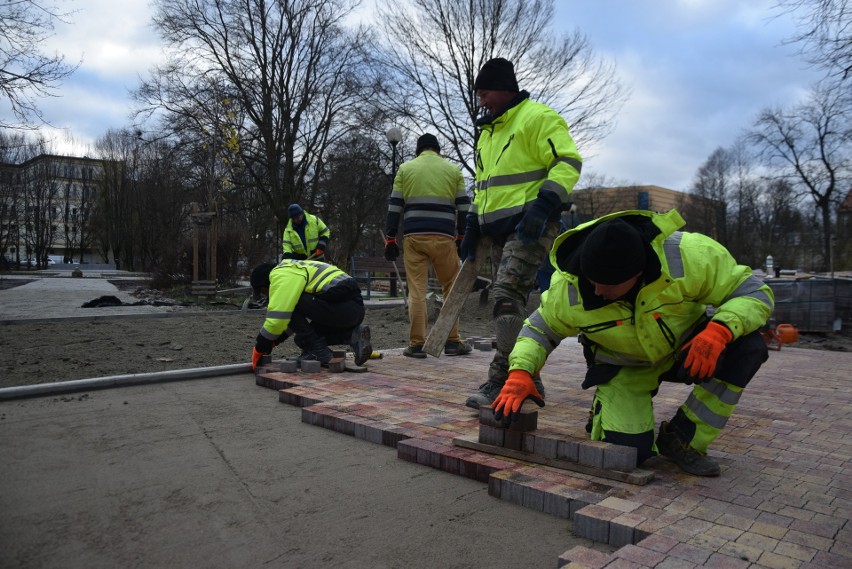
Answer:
(594, 202)
(46, 205)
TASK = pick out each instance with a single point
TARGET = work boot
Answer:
(498, 371)
(485, 395)
(456, 349)
(361, 345)
(414, 352)
(687, 458)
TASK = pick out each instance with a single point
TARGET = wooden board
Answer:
(453, 304)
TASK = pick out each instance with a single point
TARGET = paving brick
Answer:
(776, 561)
(586, 557)
(591, 453)
(491, 435)
(619, 457)
(545, 447)
(640, 555)
(567, 449)
(592, 522)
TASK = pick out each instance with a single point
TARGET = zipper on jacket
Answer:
(600, 327)
(508, 142)
(664, 328)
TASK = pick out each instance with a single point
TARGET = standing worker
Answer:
(526, 167)
(429, 194)
(306, 236)
(317, 303)
(636, 290)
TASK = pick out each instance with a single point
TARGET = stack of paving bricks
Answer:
(783, 500)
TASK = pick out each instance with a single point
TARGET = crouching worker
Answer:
(316, 303)
(636, 290)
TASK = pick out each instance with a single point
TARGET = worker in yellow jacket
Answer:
(636, 290)
(317, 303)
(526, 168)
(306, 236)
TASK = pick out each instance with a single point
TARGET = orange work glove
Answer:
(518, 388)
(255, 358)
(319, 253)
(705, 349)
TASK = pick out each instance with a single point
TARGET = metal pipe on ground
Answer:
(77, 385)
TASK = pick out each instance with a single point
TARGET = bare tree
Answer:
(713, 182)
(826, 33)
(26, 74)
(40, 203)
(289, 71)
(435, 48)
(357, 189)
(14, 149)
(810, 146)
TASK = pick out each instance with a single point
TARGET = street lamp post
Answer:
(394, 136)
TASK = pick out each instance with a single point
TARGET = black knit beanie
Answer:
(497, 75)
(427, 141)
(260, 278)
(612, 253)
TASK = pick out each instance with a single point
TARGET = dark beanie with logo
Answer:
(427, 142)
(497, 75)
(294, 209)
(612, 253)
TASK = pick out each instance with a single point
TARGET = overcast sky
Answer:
(699, 72)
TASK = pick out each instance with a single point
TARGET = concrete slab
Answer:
(216, 473)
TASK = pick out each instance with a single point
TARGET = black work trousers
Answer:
(327, 321)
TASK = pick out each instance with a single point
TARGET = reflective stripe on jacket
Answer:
(287, 282)
(315, 231)
(429, 193)
(523, 154)
(686, 273)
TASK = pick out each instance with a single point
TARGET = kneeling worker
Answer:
(635, 290)
(317, 303)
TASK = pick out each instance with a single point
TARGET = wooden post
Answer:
(204, 224)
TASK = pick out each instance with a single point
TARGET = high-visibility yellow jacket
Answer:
(523, 154)
(316, 232)
(287, 282)
(429, 193)
(684, 274)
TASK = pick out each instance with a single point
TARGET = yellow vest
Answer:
(523, 153)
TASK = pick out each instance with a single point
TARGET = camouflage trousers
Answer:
(517, 264)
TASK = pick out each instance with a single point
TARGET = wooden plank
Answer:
(638, 476)
(453, 304)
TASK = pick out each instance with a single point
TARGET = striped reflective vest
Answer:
(429, 193)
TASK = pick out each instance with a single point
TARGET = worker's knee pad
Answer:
(505, 306)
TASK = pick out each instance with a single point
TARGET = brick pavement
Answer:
(783, 500)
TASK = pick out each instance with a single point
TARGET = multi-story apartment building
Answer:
(46, 204)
